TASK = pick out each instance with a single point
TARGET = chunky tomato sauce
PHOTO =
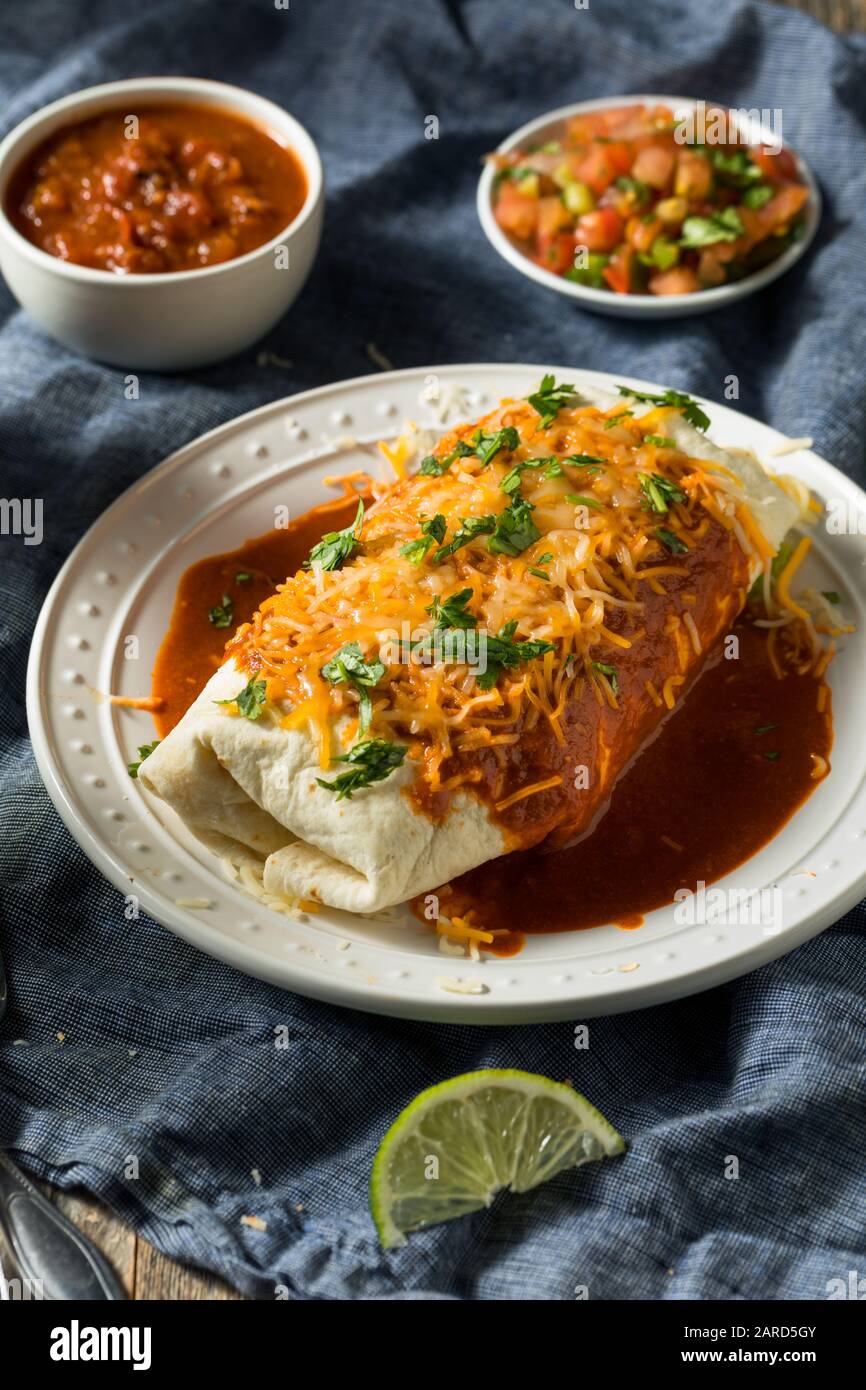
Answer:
(739, 755)
(171, 188)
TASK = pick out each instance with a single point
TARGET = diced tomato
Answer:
(640, 234)
(655, 166)
(782, 207)
(679, 280)
(553, 216)
(516, 214)
(694, 176)
(597, 168)
(556, 253)
(619, 271)
(775, 167)
(599, 230)
(621, 155)
(711, 271)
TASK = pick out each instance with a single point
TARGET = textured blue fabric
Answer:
(168, 1055)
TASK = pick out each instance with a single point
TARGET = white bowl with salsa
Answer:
(159, 223)
(648, 206)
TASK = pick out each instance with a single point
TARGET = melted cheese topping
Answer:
(598, 549)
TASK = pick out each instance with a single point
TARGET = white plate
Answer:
(218, 491)
(641, 306)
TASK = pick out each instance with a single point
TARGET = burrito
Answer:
(470, 665)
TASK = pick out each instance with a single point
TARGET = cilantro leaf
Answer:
(432, 467)
(659, 492)
(584, 460)
(503, 653)
(514, 530)
(689, 407)
(251, 700)
(707, 231)
(550, 463)
(661, 441)
(470, 527)
(549, 399)
(452, 612)
(670, 541)
(610, 672)
(578, 499)
(337, 546)
(372, 760)
(736, 169)
(488, 445)
(432, 531)
(542, 560)
(144, 751)
(222, 614)
(349, 665)
(242, 577)
(757, 196)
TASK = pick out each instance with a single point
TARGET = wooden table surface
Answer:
(146, 1274)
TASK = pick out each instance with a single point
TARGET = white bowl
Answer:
(641, 306)
(179, 319)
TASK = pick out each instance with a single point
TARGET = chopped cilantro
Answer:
(690, 408)
(757, 196)
(659, 492)
(610, 672)
(337, 546)
(144, 751)
(349, 665)
(584, 460)
(661, 441)
(550, 463)
(514, 530)
(222, 614)
(670, 541)
(251, 700)
(549, 399)
(735, 169)
(470, 527)
(452, 611)
(372, 760)
(432, 531)
(503, 653)
(488, 445)
(707, 231)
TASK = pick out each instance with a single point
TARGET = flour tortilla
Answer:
(249, 790)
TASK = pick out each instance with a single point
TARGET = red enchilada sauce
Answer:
(171, 188)
(720, 779)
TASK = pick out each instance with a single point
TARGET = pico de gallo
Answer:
(619, 204)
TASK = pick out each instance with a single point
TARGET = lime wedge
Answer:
(461, 1142)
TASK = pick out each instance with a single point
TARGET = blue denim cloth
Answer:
(168, 1055)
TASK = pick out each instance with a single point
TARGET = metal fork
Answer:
(53, 1259)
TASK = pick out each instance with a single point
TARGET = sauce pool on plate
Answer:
(172, 188)
(718, 782)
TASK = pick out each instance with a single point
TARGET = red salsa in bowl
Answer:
(620, 201)
(172, 188)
